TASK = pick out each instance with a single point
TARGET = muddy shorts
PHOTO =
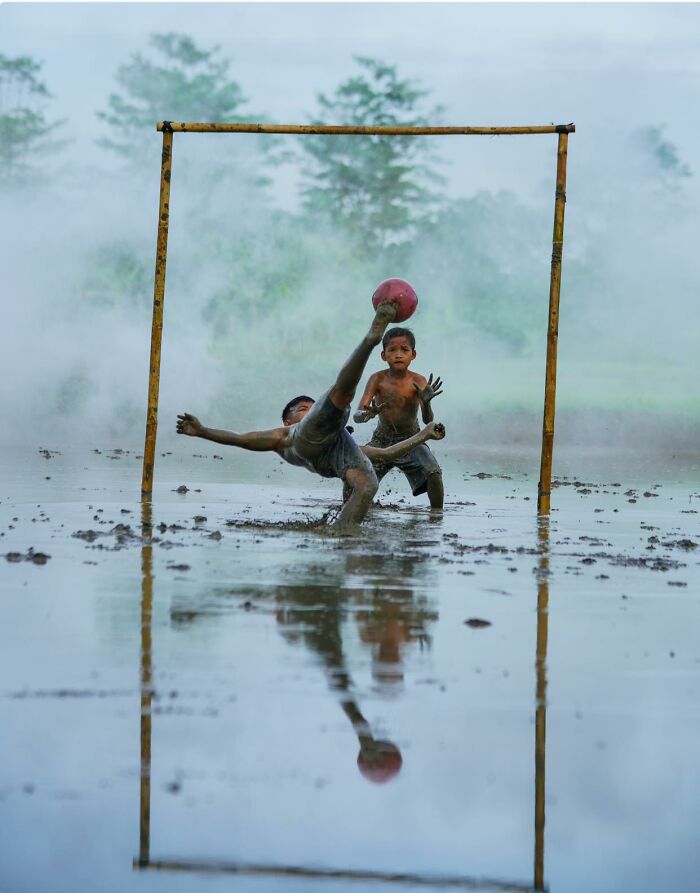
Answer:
(322, 444)
(417, 465)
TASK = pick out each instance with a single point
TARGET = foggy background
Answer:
(269, 277)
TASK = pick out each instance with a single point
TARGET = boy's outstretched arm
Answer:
(426, 394)
(254, 440)
(432, 431)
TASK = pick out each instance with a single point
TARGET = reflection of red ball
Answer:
(380, 761)
(399, 291)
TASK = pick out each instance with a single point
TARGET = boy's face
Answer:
(398, 353)
(299, 412)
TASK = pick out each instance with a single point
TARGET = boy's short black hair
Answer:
(399, 332)
(288, 409)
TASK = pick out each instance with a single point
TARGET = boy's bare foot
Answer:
(386, 312)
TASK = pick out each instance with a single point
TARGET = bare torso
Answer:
(398, 392)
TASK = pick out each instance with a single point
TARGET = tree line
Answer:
(379, 187)
(367, 204)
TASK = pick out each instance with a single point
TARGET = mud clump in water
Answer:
(685, 544)
(123, 534)
(29, 555)
(88, 535)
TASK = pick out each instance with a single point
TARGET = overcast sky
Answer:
(610, 68)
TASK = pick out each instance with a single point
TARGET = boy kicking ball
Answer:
(313, 433)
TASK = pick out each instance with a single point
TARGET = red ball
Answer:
(400, 292)
(380, 761)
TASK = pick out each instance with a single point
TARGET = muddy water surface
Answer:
(211, 692)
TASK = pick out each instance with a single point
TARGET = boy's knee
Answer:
(371, 486)
(368, 484)
(364, 482)
(340, 397)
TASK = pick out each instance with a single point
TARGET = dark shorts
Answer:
(417, 465)
(322, 444)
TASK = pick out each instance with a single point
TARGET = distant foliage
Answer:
(377, 187)
(119, 272)
(663, 155)
(485, 262)
(24, 128)
(177, 81)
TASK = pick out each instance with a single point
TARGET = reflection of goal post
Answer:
(169, 127)
(147, 862)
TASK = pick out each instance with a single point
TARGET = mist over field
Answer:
(275, 248)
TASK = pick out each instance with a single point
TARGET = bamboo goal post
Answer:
(168, 128)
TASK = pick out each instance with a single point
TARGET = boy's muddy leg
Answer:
(436, 491)
(343, 390)
(364, 485)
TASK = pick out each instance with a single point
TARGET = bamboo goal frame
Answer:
(168, 128)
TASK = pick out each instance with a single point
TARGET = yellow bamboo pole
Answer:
(146, 680)
(550, 382)
(349, 130)
(149, 452)
(541, 698)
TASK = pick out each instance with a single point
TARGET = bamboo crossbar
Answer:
(295, 871)
(349, 130)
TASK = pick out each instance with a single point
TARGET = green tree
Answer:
(24, 127)
(179, 81)
(378, 187)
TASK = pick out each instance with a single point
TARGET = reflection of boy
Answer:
(318, 611)
(395, 395)
(314, 436)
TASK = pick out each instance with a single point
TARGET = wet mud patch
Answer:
(29, 555)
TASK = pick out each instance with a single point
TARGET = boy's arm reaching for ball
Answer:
(432, 431)
(260, 441)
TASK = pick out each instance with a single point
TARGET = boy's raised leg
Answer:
(343, 391)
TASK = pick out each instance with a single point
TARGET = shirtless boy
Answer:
(395, 395)
(314, 436)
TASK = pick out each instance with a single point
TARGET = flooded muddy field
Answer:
(211, 692)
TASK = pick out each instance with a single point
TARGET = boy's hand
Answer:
(369, 412)
(189, 424)
(435, 430)
(430, 391)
